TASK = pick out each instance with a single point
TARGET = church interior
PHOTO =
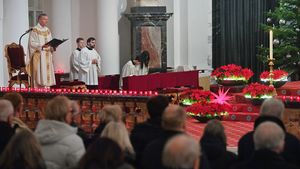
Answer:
(220, 77)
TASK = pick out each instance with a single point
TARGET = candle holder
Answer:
(271, 65)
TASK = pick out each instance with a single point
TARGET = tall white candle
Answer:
(271, 44)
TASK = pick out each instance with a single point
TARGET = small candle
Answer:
(271, 44)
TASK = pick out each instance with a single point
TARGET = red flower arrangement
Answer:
(278, 75)
(257, 90)
(232, 72)
(192, 96)
(202, 106)
(210, 110)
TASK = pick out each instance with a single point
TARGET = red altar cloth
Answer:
(158, 81)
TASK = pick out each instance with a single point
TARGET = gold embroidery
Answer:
(48, 67)
(42, 33)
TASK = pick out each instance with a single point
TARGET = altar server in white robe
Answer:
(90, 64)
(74, 60)
(136, 67)
(40, 60)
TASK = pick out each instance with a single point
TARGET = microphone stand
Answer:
(23, 35)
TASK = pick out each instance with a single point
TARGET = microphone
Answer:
(29, 30)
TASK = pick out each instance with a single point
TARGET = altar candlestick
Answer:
(271, 44)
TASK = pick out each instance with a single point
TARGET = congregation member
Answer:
(213, 144)
(118, 132)
(269, 142)
(90, 64)
(144, 133)
(40, 61)
(18, 102)
(108, 113)
(6, 131)
(22, 152)
(74, 60)
(271, 110)
(173, 123)
(181, 152)
(104, 153)
(61, 146)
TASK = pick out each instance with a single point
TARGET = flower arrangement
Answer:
(204, 105)
(232, 72)
(278, 75)
(211, 110)
(258, 91)
(193, 96)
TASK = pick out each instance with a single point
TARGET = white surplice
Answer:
(89, 72)
(40, 61)
(74, 64)
(129, 69)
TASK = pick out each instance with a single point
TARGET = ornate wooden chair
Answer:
(14, 54)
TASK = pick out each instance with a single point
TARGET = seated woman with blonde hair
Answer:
(118, 132)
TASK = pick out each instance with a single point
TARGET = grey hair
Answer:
(268, 135)
(111, 113)
(272, 107)
(181, 151)
(173, 118)
(6, 109)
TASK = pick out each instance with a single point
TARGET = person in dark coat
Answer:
(173, 123)
(6, 115)
(269, 143)
(271, 110)
(144, 133)
(213, 144)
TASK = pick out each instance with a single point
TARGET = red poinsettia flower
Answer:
(232, 71)
(196, 95)
(211, 109)
(277, 75)
(257, 90)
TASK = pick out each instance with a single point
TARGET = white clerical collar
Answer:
(41, 27)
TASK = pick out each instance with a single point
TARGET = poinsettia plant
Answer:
(278, 75)
(259, 91)
(211, 110)
(232, 72)
(205, 103)
(195, 95)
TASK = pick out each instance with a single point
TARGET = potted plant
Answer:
(190, 97)
(279, 78)
(232, 74)
(258, 92)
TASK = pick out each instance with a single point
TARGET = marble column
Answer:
(15, 23)
(107, 35)
(60, 24)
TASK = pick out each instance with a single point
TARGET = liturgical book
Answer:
(55, 42)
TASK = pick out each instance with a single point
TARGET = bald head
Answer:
(272, 107)
(181, 151)
(174, 118)
(6, 110)
(269, 135)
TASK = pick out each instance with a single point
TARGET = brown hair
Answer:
(16, 100)
(23, 151)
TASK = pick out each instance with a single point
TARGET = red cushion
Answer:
(16, 57)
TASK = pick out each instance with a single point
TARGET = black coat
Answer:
(216, 153)
(152, 155)
(142, 134)
(291, 152)
(6, 132)
(265, 159)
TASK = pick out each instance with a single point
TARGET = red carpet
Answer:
(234, 130)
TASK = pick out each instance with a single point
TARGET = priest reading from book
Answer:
(74, 60)
(136, 67)
(90, 64)
(40, 61)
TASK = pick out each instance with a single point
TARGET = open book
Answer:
(55, 42)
